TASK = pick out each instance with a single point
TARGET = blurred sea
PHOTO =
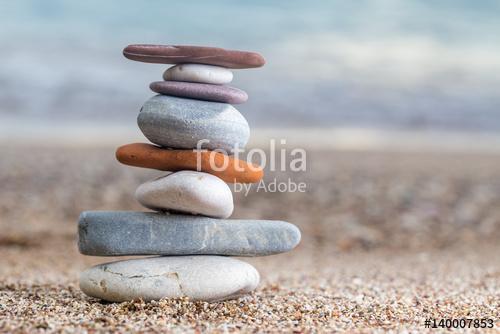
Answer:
(392, 64)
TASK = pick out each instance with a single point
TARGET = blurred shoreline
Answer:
(37, 134)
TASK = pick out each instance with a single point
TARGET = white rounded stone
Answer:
(207, 278)
(188, 191)
(199, 73)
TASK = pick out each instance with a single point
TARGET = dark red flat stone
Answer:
(176, 54)
(199, 91)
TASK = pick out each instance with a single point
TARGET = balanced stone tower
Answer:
(188, 230)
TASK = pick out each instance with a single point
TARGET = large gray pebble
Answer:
(181, 123)
(111, 233)
(208, 278)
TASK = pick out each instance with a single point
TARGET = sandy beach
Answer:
(382, 123)
(388, 241)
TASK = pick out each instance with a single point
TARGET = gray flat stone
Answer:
(207, 278)
(112, 233)
(175, 122)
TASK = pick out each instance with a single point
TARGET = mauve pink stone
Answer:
(176, 54)
(199, 91)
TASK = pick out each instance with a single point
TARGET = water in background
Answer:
(383, 64)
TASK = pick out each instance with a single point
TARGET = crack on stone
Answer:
(151, 232)
(175, 276)
(106, 269)
(103, 286)
(208, 232)
(93, 281)
(172, 274)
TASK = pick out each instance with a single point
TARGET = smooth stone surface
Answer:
(151, 156)
(189, 192)
(176, 122)
(199, 73)
(177, 54)
(113, 233)
(206, 92)
(207, 278)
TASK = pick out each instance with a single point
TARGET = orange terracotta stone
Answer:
(151, 156)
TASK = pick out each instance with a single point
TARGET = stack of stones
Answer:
(189, 230)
